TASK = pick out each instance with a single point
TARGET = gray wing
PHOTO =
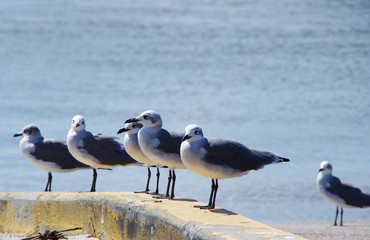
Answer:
(351, 195)
(169, 142)
(236, 155)
(56, 152)
(107, 150)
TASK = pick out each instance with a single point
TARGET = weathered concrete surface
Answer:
(126, 216)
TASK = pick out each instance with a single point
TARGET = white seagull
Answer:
(46, 154)
(97, 151)
(219, 158)
(131, 143)
(160, 145)
(338, 193)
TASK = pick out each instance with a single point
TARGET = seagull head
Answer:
(30, 131)
(148, 118)
(78, 123)
(131, 128)
(192, 133)
(325, 167)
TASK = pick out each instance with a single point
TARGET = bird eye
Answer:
(146, 117)
(196, 132)
(83, 123)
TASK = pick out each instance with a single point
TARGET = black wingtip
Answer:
(367, 200)
(284, 159)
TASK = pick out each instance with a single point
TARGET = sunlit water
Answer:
(291, 77)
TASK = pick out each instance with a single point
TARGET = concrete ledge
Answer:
(126, 216)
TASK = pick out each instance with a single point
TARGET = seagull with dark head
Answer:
(340, 194)
(97, 151)
(131, 143)
(46, 154)
(160, 145)
(219, 158)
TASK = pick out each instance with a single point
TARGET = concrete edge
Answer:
(126, 216)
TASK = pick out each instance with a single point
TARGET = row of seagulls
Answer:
(146, 143)
(215, 159)
(83, 150)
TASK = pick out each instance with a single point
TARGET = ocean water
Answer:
(291, 77)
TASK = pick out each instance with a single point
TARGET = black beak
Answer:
(131, 120)
(186, 137)
(321, 169)
(17, 134)
(122, 130)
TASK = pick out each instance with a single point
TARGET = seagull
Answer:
(219, 158)
(338, 193)
(46, 154)
(97, 151)
(159, 145)
(132, 147)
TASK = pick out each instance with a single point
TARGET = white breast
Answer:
(75, 147)
(132, 147)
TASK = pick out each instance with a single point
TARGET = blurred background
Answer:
(291, 77)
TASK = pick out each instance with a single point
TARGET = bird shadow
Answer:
(162, 196)
(222, 211)
(182, 200)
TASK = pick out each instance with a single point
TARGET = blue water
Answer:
(291, 77)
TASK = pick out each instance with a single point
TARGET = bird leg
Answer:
(157, 187)
(95, 176)
(50, 179)
(147, 183)
(215, 188)
(336, 217)
(341, 216)
(168, 186)
(169, 183)
(211, 198)
(173, 184)
(48, 184)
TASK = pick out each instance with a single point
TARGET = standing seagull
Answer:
(132, 147)
(159, 145)
(97, 151)
(338, 193)
(47, 154)
(218, 158)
